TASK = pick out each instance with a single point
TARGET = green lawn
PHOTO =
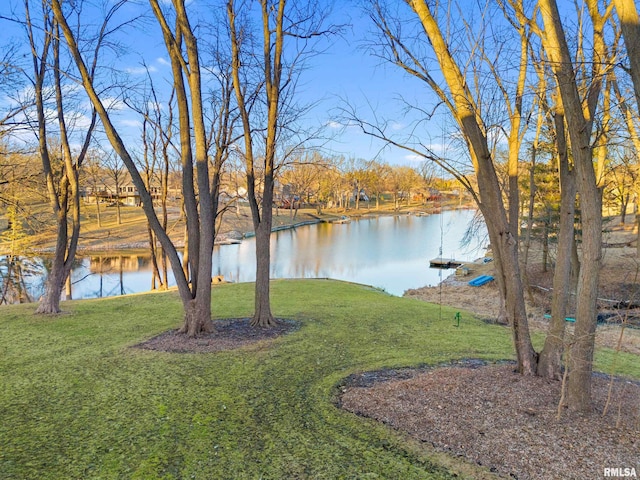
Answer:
(77, 402)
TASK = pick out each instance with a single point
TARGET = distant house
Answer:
(434, 195)
(126, 193)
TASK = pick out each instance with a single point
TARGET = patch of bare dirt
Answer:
(228, 335)
(504, 421)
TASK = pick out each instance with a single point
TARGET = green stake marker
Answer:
(457, 317)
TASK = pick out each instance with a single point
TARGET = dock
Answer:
(444, 263)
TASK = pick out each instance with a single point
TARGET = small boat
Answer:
(342, 219)
(481, 280)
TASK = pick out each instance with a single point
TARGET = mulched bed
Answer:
(228, 335)
(504, 421)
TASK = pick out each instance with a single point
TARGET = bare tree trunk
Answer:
(64, 200)
(197, 317)
(262, 316)
(579, 128)
(550, 362)
(196, 294)
(68, 288)
(624, 204)
(532, 189)
(545, 240)
(273, 34)
(98, 210)
(630, 26)
(628, 15)
(510, 285)
(149, 154)
(503, 240)
(50, 301)
(530, 210)
(153, 251)
(118, 213)
(575, 265)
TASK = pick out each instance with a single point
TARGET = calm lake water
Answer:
(391, 253)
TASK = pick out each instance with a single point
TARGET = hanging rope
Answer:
(441, 230)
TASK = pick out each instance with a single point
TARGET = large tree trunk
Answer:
(261, 212)
(507, 271)
(550, 362)
(65, 254)
(65, 201)
(581, 356)
(197, 316)
(50, 301)
(262, 316)
(580, 363)
(196, 296)
(503, 240)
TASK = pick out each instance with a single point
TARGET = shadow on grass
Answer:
(229, 334)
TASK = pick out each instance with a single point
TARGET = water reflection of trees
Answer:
(22, 277)
(108, 265)
(119, 263)
(19, 270)
(17, 273)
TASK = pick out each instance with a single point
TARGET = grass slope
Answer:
(77, 402)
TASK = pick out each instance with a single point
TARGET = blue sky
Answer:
(344, 73)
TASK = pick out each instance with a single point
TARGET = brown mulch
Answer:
(228, 335)
(504, 421)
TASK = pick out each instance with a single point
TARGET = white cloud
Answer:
(78, 119)
(335, 125)
(112, 103)
(438, 148)
(153, 106)
(413, 158)
(131, 123)
(141, 70)
(163, 61)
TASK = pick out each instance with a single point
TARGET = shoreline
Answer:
(233, 236)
